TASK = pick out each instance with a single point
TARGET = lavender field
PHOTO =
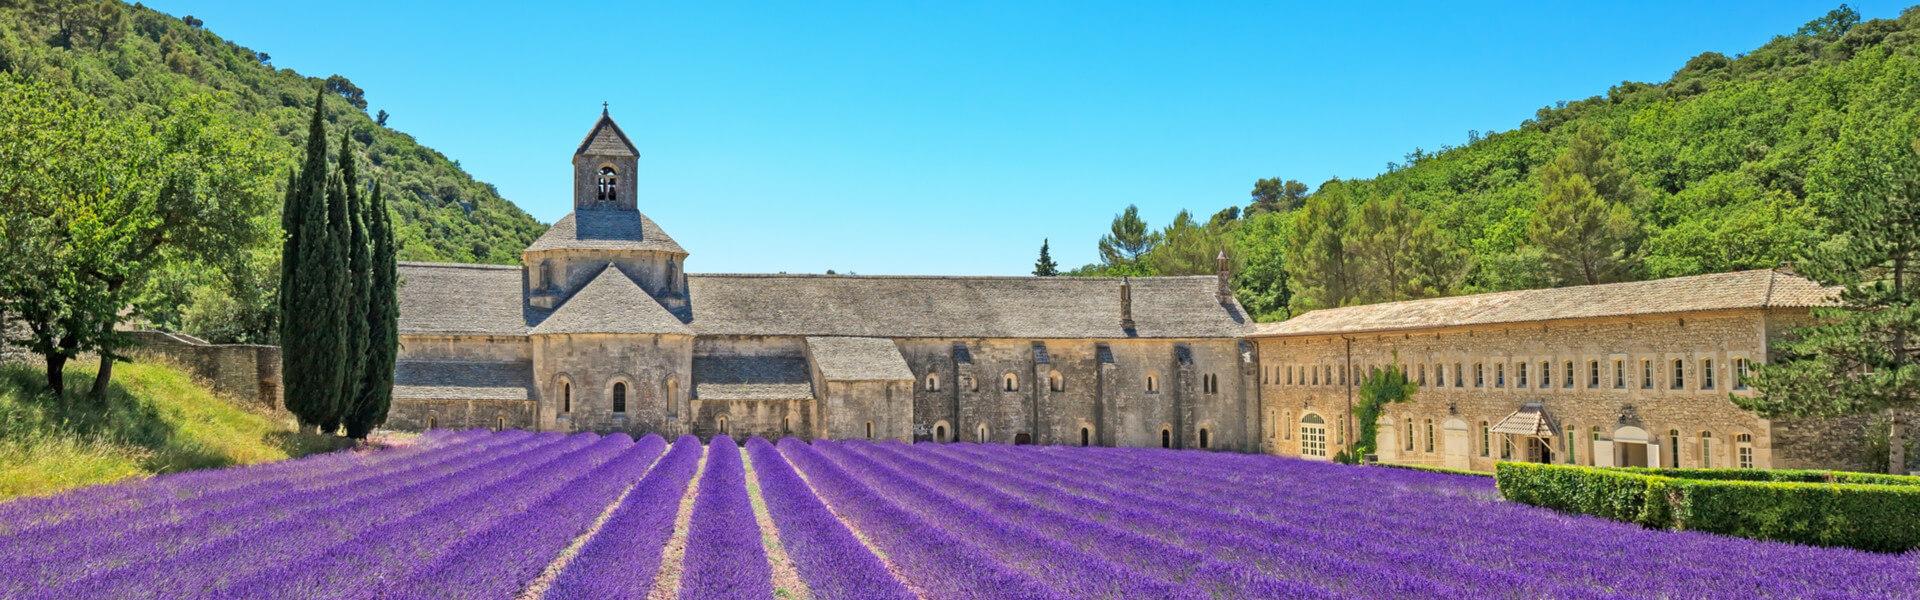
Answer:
(514, 514)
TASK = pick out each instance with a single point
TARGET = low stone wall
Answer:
(245, 372)
(420, 414)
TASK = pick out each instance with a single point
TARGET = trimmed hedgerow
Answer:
(1432, 469)
(1881, 517)
(1780, 475)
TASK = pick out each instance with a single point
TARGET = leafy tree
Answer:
(1261, 281)
(1045, 267)
(381, 119)
(345, 88)
(1187, 247)
(1129, 239)
(1397, 254)
(369, 409)
(1225, 217)
(104, 200)
(1273, 195)
(1319, 269)
(1381, 388)
(1583, 221)
(1862, 357)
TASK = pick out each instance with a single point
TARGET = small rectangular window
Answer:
(1500, 375)
(1423, 375)
(1646, 374)
(1619, 374)
(1739, 373)
(1679, 374)
(1520, 375)
(1706, 374)
(1566, 375)
(1593, 374)
(1458, 381)
(1479, 375)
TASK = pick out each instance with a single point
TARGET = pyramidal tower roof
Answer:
(606, 139)
(611, 303)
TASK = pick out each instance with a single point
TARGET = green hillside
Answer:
(158, 420)
(1722, 167)
(138, 59)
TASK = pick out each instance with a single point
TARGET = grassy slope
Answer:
(158, 420)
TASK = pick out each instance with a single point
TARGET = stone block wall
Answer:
(420, 414)
(245, 372)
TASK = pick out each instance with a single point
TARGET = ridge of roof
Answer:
(611, 303)
(454, 265)
(949, 277)
(1755, 288)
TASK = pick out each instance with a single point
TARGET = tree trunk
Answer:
(57, 374)
(1896, 443)
(102, 379)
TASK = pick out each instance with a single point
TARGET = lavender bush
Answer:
(834, 564)
(724, 557)
(621, 560)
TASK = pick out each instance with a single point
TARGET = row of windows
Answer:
(1544, 375)
(1571, 446)
(1010, 382)
(669, 389)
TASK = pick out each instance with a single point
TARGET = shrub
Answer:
(1823, 508)
(1433, 469)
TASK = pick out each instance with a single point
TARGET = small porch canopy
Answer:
(1531, 421)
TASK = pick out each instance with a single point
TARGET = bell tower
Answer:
(604, 168)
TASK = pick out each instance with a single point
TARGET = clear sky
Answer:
(951, 137)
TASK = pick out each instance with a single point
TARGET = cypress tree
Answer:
(354, 321)
(383, 336)
(310, 356)
(1045, 267)
(331, 340)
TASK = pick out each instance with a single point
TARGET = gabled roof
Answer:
(462, 299)
(460, 379)
(606, 229)
(858, 359)
(611, 303)
(606, 139)
(1531, 420)
(958, 307)
(730, 377)
(1763, 288)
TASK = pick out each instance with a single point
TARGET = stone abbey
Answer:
(602, 328)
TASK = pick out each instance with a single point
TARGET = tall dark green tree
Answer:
(312, 351)
(1584, 219)
(1319, 269)
(369, 409)
(357, 283)
(1129, 239)
(1862, 357)
(1045, 267)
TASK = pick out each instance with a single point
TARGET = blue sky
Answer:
(950, 138)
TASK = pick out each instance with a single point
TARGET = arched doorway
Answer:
(1022, 439)
(1632, 447)
(940, 433)
(1086, 436)
(1206, 439)
(1456, 443)
(1166, 438)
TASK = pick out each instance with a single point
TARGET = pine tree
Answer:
(356, 283)
(1584, 220)
(1045, 267)
(1320, 271)
(310, 344)
(1862, 357)
(382, 315)
(1130, 239)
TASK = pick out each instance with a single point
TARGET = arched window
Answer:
(1440, 375)
(1153, 383)
(1056, 382)
(566, 396)
(430, 422)
(1204, 439)
(1743, 451)
(499, 423)
(1166, 438)
(869, 429)
(1706, 449)
(720, 424)
(933, 382)
(1010, 383)
(1313, 436)
(672, 396)
(786, 425)
(980, 433)
(1429, 440)
(1673, 443)
(619, 397)
(609, 184)
(1086, 436)
(940, 433)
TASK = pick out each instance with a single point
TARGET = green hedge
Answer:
(1878, 517)
(1781, 475)
(1433, 469)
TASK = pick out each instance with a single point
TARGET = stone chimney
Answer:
(1126, 303)
(1223, 269)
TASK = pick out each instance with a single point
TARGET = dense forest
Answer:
(138, 61)
(1724, 166)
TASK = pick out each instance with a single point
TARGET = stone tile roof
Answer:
(858, 359)
(920, 306)
(731, 377)
(611, 303)
(462, 380)
(446, 298)
(606, 229)
(1531, 420)
(1763, 288)
(606, 139)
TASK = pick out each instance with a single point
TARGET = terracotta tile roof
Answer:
(917, 306)
(730, 377)
(448, 298)
(1763, 288)
(611, 303)
(1531, 420)
(858, 359)
(461, 380)
(606, 229)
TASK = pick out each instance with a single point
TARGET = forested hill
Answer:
(1724, 166)
(133, 56)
